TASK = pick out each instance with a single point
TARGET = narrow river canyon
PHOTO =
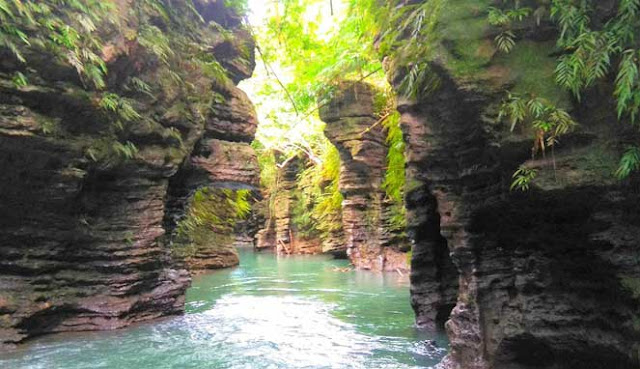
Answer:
(375, 184)
(271, 312)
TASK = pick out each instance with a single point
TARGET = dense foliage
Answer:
(210, 218)
(306, 51)
(594, 48)
(174, 67)
(65, 29)
(318, 208)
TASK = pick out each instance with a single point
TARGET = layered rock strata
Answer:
(352, 126)
(82, 227)
(434, 278)
(547, 278)
(215, 164)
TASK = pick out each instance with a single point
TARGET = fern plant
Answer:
(522, 179)
(590, 54)
(504, 19)
(409, 38)
(210, 217)
(627, 91)
(64, 28)
(119, 110)
(548, 121)
(629, 163)
(319, 201)
(108, 151)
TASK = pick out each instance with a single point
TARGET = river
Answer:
(271, 312)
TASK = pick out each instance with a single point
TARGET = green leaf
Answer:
(20, 80)
(629, 163)
(522, 179)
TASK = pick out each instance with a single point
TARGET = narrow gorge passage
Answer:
(450, 184)
(270, 312)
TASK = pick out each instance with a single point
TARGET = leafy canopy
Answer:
(307, 48)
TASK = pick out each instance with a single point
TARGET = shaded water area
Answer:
(271, 312)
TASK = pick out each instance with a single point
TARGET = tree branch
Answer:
(270, 70)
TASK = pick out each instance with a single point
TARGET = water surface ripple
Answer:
(271, 312)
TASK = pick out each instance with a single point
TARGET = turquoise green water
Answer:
(271, 312)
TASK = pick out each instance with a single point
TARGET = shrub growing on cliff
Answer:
(547, 121)
(87, 35)
(504, 19)
(592, 51)
(65, 29)
(394, 178)
(210, 218)
(318, 208)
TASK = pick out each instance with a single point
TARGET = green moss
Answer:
(632, 284)
(636, 326)
(595, 164)
(601, 161)
(532, 69)
(49, 126)
(468, 59)
(462, 9)
(174, 155)
(463, 27)
(464, 19)
(210, 218)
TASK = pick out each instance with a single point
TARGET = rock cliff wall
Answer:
(86, 198)
(280, 232)
(547, 278)
(353, 128)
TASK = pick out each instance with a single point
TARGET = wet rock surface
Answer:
(83, 240)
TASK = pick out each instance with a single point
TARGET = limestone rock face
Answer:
(221, 158)
(547, 278)
(280, 232)
(226, 162)
(79, 247)
(82, 230)
(544, 277)
(334, 244)
(352, 127)
(235, 118)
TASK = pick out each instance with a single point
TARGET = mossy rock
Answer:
(530, 67)
(463, 27)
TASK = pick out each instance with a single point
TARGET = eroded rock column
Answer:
(545, 276)
(449, 172)
(222, 159)
(354, 129)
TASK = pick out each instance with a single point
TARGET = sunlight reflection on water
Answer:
(269, 313)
